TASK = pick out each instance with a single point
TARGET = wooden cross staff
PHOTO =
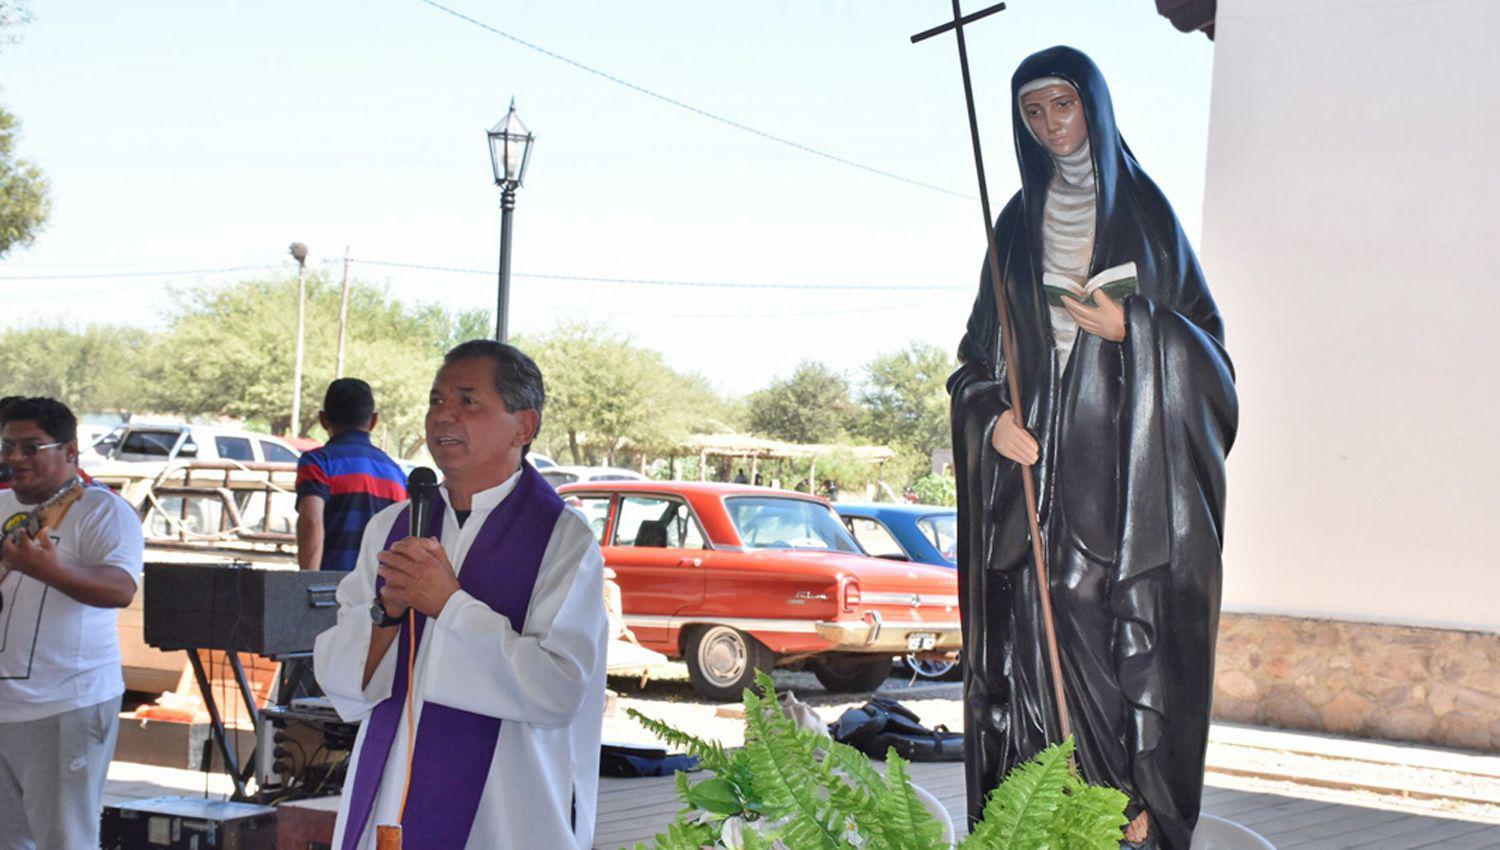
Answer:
(1008, 346)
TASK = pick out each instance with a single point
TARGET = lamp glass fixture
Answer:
(510, 149)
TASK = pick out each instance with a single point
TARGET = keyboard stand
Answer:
(239, 774)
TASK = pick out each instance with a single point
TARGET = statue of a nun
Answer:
(1130, 409)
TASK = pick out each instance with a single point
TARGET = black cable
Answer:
(690, 108)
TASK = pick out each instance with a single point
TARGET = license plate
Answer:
(920, 642)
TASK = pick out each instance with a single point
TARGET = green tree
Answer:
(94, 370)
(25, 204)
(905, 398)
(229, 351)
(13, 15)
(937, 490)
(606, 395)
(810, 406)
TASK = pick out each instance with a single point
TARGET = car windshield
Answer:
(941, 530)
(775, 523)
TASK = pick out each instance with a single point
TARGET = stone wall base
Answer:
(1429, 686)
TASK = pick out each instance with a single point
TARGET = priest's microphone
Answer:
(422, 491)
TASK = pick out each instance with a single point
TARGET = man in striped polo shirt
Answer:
(343, 484)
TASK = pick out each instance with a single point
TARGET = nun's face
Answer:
(1056, 118)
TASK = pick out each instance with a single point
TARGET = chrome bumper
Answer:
(873, 633)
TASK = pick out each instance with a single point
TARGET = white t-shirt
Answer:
(56, 653)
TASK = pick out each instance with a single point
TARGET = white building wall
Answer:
(1351, 236)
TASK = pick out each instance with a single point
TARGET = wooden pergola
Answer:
(757, 449)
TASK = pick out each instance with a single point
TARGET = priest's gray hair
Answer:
(517, 378)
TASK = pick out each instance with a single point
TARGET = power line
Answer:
(689, 107)
(703, 284)
(740, 315)
(113, 275)
(10, 264)
(628, 281)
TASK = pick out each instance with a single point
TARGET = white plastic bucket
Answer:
(1215, 833)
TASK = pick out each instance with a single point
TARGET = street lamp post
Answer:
(510, 151)
(299, 253)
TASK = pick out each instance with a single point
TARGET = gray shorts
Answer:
(52, 778)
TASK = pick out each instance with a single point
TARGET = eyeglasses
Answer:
(25, 449)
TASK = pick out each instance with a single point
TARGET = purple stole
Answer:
(454, 748)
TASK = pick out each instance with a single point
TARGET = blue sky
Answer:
(186, 136)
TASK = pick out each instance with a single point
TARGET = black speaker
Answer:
(241, 608)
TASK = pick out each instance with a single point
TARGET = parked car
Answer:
(733, 578)
(924, 533)
(901, 532)
(89, 434)
(559, 475)
(141, 442)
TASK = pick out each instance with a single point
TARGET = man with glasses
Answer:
(63, 575)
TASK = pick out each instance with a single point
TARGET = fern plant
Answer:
(794, 788)
(1044, 805)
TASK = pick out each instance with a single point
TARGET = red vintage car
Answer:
(732, 578)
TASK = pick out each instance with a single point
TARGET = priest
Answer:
(1129, 412)
(491, 740)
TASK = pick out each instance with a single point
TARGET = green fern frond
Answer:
(789, 781)
(854, 764)
(752, 840)
(901, 821)
(682, 836)
(710, 754)
(1020, 811)
(1090, 816)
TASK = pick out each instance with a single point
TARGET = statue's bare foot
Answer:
(1136, 832)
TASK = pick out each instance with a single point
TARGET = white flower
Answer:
(851, 832)
(733, 834)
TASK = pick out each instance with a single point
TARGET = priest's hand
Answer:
(1107, 320)
(418, 575)
(1012, 441)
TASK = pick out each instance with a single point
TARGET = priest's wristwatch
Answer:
(379, 617)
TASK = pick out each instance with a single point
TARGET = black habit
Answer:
(1133, 437)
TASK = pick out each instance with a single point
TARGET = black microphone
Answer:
(422, 488)
(5, 472)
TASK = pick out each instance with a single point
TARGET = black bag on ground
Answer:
(623, 760)
(883, 723)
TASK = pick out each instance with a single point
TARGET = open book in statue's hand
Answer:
(1116, 281)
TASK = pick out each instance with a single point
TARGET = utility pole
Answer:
(338, 371)
(299, 253)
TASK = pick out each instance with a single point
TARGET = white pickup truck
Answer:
(142, 442)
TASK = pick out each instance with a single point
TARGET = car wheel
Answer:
(722, 661)
(843, 672)
(928, 668)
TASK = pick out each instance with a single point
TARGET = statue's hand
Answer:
(1107, 320)
(1012, 441)
(1138, 829)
